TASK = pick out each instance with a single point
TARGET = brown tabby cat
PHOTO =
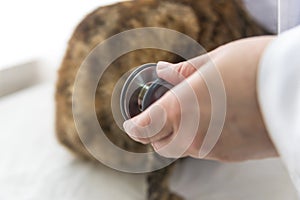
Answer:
(210, 22)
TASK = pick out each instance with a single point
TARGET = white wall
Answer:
(39, 29)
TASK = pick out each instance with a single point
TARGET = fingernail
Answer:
(163, 65)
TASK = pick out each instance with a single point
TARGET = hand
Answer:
(172, 124)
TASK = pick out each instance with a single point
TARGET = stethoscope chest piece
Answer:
(141, 89)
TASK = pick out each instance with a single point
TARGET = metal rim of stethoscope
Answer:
(134, 76)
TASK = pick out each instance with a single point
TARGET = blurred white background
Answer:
(39, 29)
(34, 36)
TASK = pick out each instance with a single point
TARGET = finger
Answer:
(159, 146)
(169, 148)
(149, 126)
(175, 73)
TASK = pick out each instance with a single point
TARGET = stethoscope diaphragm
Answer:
(142, 88)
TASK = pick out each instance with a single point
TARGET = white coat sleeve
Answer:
(279, 98)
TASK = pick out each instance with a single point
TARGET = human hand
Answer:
(172, 124)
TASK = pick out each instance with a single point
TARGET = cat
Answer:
(210, 22)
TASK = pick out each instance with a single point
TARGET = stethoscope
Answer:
(142, 88)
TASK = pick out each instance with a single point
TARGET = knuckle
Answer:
(180, 67)
(185, 69)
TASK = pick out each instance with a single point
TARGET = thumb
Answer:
(151, 125)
